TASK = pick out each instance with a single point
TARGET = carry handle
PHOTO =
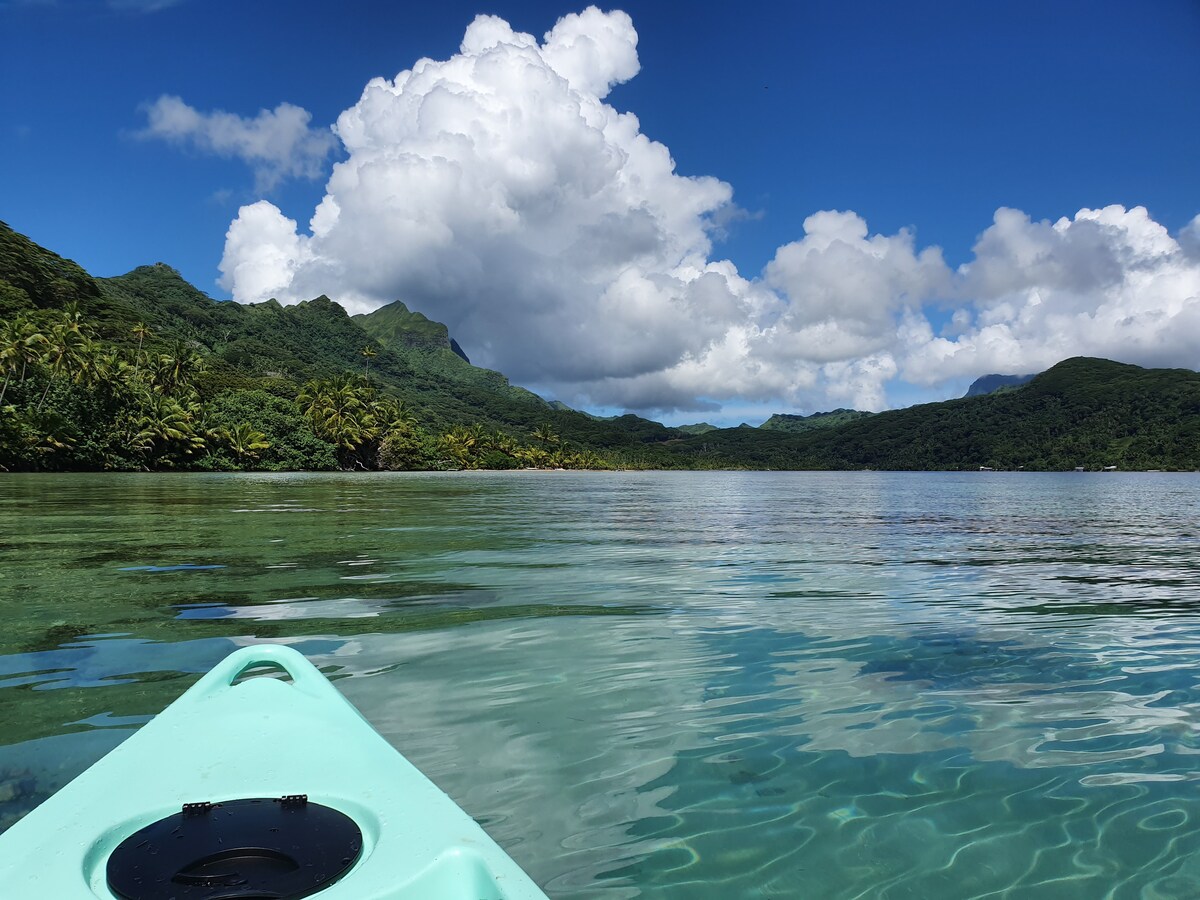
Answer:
(305, 676)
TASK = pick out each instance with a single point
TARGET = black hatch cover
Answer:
(253, 849)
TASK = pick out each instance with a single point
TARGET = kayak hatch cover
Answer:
(252, 789)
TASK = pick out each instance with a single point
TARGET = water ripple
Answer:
(670, 685)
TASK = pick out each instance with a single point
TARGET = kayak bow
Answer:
(289, 793)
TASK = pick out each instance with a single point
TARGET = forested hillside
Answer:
(144, 371)
(1082, 412)
(800, 424)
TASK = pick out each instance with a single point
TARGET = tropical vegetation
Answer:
(143, 371)
(73, 401)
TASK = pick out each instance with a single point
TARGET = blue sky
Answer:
(928, 116)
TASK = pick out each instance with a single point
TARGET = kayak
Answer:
(249, 788)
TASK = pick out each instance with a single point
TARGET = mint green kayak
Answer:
(258, 789)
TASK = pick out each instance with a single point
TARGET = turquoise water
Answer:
(669, 685)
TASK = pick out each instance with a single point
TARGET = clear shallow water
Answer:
(669, 685)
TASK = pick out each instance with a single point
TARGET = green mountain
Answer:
(145, 371)
(32, 277)
(248, 346)
(396, 326)
(1082, 412)
(800, 424)
(246, 343)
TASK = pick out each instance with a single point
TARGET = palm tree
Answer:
(244, 442)
(532, 456)
(369, 353)
(72, 317)
(482, 441)
(460, 444)
(20, 344)
(66, 345)
(165, 427)
(87, 362)
(10, 348)
(340, 410)
(141, 331)
(308, 396)
(393, 415)
(175, 371)
(110, 369)
(33, 344)
(545, 435)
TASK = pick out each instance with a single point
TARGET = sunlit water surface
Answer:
(669, 685)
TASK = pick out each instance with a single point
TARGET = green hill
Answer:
(145, 371)
(246, 343)
(801, 424)
(32, 277)
(267, 345)
(1082, 412)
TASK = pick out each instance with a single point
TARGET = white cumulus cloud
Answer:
(845, 289)
(1109, 282)
(277, 143)
(498, 192)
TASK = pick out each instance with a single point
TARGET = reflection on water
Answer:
(669, 685)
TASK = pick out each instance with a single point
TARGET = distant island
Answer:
(145, 372)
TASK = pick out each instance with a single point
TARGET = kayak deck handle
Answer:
(239, 667)
(264, 670)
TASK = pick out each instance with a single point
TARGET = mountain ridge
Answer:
(797, 424)
(1088, 412)
(1083, 411)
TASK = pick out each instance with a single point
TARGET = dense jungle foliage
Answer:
(1089, 413)
(143, 371)
(69, 400)
(258, 386)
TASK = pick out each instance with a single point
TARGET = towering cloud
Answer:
(498, 192)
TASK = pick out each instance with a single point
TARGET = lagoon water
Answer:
(669, 685)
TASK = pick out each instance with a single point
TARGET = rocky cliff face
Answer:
(990, 383)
